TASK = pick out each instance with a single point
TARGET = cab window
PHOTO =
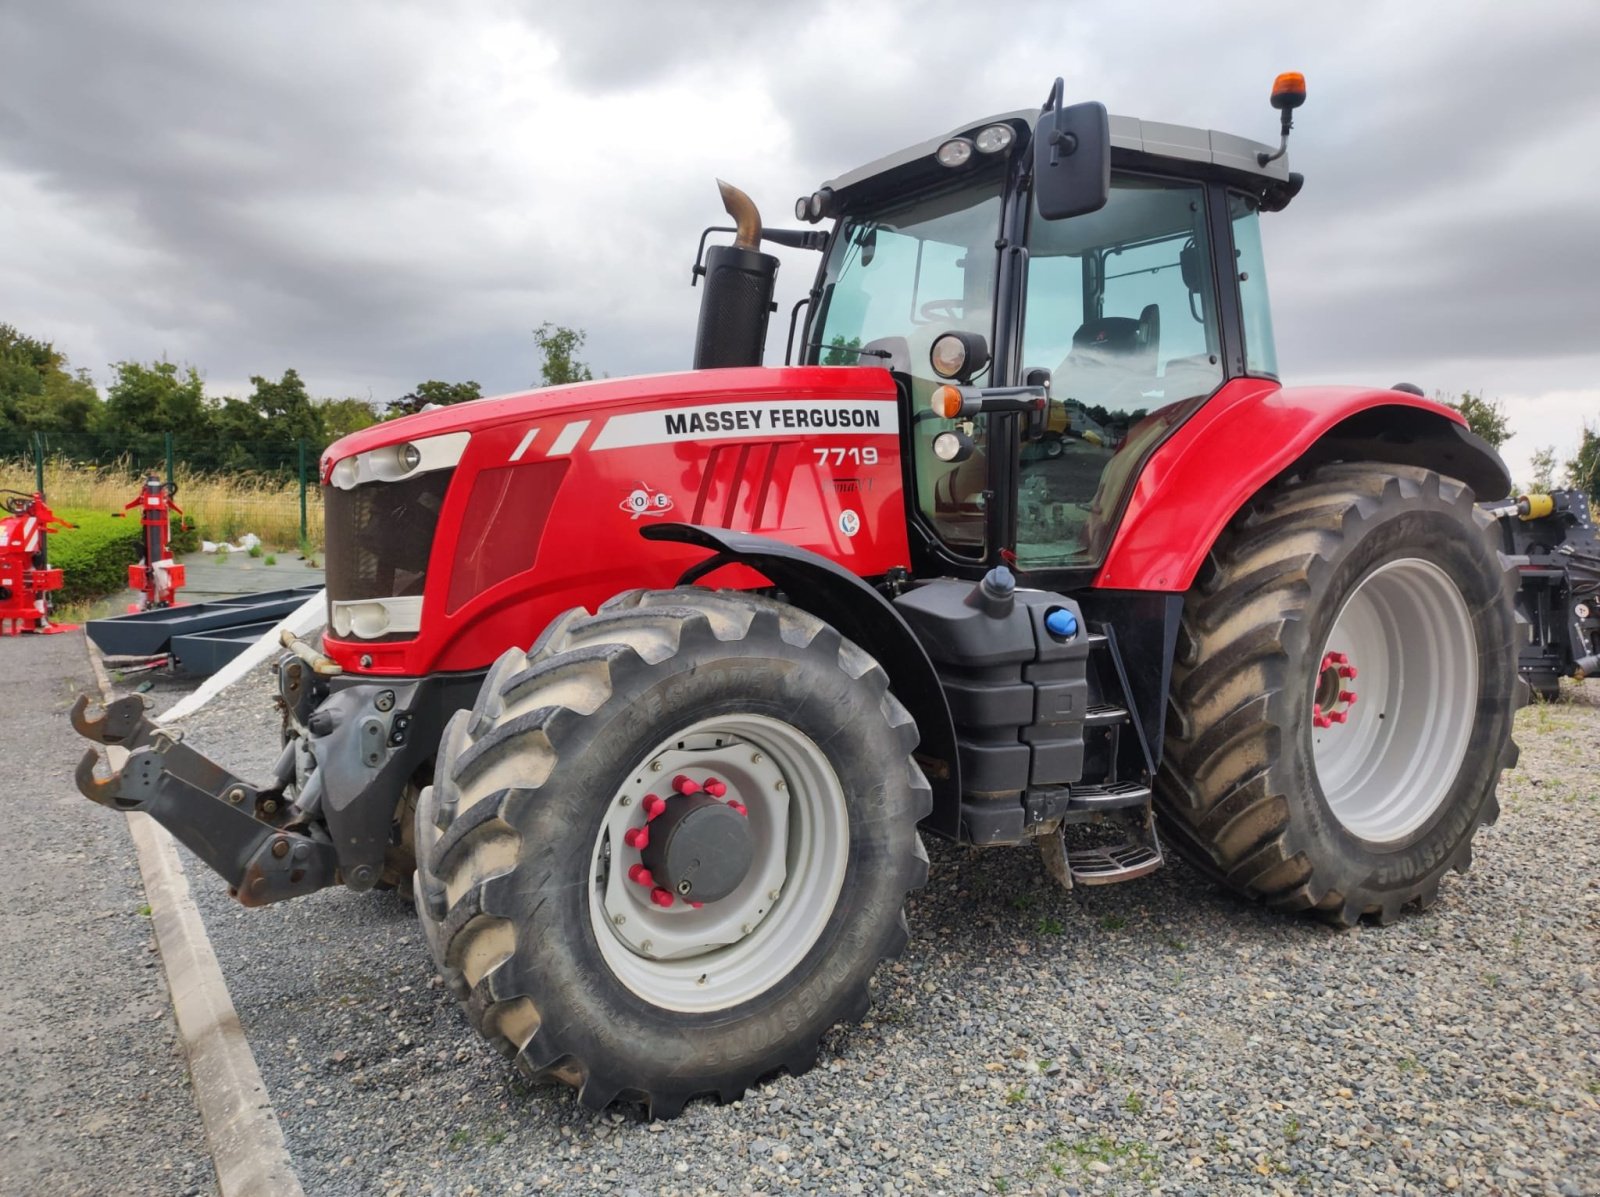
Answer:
(896, 280)
(1121, 309)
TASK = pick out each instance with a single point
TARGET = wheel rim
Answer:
(714, 956)
(1394, 700)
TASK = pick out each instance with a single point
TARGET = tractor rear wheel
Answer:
(1343, 693)
(666, 851)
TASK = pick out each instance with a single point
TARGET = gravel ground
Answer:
(1157, 1036)
(94, 1090)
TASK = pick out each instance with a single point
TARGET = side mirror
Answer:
(1071, 158)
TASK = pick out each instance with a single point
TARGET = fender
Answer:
(1251, 431)
(840, 598)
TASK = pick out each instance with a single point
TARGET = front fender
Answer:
(841, 599)
(1251, 431)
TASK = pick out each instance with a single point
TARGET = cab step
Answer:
(1102, 864)
(1107, 864)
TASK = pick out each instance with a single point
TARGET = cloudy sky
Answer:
(379, 193)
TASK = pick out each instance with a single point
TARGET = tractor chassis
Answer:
(327, 815)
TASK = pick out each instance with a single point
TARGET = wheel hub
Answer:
(748, 813)
(1334, 698)
(1386, 765)
(694, 845)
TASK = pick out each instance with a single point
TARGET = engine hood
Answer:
(608, 395)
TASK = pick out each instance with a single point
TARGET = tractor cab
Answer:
(1127, 309)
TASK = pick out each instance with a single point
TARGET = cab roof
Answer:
(915, 166)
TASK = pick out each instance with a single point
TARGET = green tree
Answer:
(1583, 470)
(433, 391)
(839, 351)
(237, 428)
(37, 393)
(341, 417)
(560, 346)
(1543, 462)
(159, 397)
(286, 409)
(1486, 417)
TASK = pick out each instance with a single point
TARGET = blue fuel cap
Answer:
(1061, 623)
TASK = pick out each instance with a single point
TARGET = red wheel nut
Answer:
(697, 905)
(637, 837)
(1348, 697)
(661, 897)
(1338, 716)
(653, 806)
(685, 784)
(715, 788)
(1339, 658)
(1347, 671)
(640, 875)
(740, 807)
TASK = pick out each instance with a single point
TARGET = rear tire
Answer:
(523, 885)
(1348, 795)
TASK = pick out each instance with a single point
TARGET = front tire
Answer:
(590, 968)
(1343, 693)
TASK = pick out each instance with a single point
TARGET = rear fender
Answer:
(841, 599)
(1252, 431)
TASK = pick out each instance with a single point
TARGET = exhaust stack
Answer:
(739, 282)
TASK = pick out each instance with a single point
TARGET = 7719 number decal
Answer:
(868, 456)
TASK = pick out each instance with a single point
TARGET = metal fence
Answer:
(266, 487)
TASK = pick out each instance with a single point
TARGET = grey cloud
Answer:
(289, 183)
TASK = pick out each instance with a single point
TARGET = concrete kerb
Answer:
(242, 1132)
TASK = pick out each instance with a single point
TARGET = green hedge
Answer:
(95, 555)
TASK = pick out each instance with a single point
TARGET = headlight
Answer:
(955, 152)
(994, 139)
(952, 446)
(345, 473)
(410, 457)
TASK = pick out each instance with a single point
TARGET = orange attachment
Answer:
(1289, 90)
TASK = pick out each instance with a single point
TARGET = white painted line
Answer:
(246, 1142)
(568, 440)
(522, 445)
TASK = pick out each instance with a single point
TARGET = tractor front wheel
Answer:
(666, 851)
(1343, 693)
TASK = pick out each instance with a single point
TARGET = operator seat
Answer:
(1112, 362)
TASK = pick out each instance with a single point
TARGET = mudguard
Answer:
(840, 598)
(1251, 431)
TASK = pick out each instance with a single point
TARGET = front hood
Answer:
(608, 394)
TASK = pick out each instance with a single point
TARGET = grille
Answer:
(379, 536)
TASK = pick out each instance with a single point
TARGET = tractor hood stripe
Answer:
(725, 421)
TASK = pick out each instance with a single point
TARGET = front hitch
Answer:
(221, 819)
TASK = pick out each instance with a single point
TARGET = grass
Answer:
(1050, 926)
(1113, 922)
(223, 505)
(1133, 1103)
(1016, 1096)
(145, 910)
(270, 560)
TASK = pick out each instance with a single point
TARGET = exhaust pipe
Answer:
(739, 283)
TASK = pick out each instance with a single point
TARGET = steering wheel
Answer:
(941, 309)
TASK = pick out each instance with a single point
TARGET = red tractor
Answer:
(653, 682)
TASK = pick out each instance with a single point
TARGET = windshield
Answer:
(893, 282)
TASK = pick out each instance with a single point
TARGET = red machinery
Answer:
(26, 578)
(155, 574)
